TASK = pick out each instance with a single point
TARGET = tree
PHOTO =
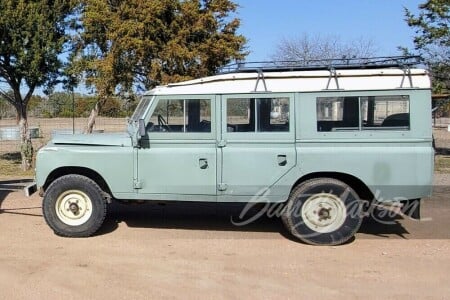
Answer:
(432, 40)
(307, 48)
(32, 35)
(134, 44)
(58, 104)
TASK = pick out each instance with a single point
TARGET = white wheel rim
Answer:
(73, 207)
(324, 213)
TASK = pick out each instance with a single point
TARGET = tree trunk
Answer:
(91, 120)
(94, 113)
(20, 104)
(26, 147)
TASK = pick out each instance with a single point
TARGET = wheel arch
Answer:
(89, 173)
(355, 183)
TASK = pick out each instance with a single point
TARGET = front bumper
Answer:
(30, 189)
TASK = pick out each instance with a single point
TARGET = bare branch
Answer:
(308, 47)
(7, 97)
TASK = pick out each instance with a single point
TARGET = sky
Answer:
(266, 22)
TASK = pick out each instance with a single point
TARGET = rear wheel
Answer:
(74, 206)
(323, 211)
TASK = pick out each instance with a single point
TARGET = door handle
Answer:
(203, 163)
(282, 160)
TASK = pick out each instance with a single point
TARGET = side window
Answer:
(337, 113)
(179, 115)
(258, 115)
(360, 113)
(382, 112)
(239, 117)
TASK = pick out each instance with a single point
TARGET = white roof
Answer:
(299, 81)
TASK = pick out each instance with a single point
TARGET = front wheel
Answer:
(74, 206)
(323, 211)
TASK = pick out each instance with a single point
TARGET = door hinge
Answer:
(222, 187)
(221, 143)
(137, 184)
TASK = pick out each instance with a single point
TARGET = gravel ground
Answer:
(173, 252)
(180, 252)
(442, 138)
(441, 179)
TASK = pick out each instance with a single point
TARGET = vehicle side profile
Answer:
(324, 141)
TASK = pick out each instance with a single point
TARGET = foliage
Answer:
(32, 35)
(432, 40)
(60, 105)
(124, 44)
(114, 108)
(307, 47)
(84, 105)
(57, 103)
(34, 105)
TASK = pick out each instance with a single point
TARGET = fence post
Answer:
(73, 112)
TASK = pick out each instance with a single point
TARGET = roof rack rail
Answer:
(322, 64)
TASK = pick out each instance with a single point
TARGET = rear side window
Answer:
(363, 113)
(385, 112)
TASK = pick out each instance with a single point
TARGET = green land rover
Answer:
(323, 141)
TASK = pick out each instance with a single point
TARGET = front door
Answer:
(257, 146)
(178, 157)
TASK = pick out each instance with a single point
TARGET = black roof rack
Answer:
(322, 64)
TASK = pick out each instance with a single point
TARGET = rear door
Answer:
(256, 146)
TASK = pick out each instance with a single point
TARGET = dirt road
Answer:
(177, 251)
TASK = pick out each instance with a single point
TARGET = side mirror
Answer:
(142, 131)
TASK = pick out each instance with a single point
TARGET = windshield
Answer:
(141, 108)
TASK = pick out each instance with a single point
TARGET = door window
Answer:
(181, 115)
(257, 114)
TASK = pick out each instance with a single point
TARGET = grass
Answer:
(10, 166)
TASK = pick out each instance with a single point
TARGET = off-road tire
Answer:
(77, 186)
(344, 196)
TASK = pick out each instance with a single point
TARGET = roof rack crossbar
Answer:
(322, 64)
